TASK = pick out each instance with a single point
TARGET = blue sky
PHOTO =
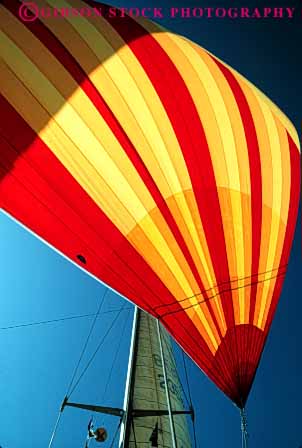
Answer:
(37, 362)
(37, 284)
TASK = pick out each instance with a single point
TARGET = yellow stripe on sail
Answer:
(276, 204)
(275, 162)
(78, 148)
(153, 136)
(272, 106)
(215, 110)
(284, 210)
(170, 161)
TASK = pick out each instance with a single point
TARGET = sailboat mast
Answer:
(125, 427)
(154, 414)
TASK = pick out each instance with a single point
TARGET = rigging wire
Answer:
(110, 375)
(86, 343)
(55, 429)
(115, 357)
(112, 365)
(244, 431)
(76, 369)
(60, 319)
(190, 398)
(96, 350)
(116, 433)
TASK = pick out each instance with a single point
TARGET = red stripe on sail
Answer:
(291, 223)
(28, 167)
(38, 191)
(245, 339)
(258, 344)
(186, 123)
(75, 70)
(255, 176)
(196, 343)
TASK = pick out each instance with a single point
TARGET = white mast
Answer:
(153, 413)
(153, 397)
(129, 380)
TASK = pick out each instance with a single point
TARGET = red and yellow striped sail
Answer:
(168, 172)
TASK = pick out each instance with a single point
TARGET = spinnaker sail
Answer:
(158, 169)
